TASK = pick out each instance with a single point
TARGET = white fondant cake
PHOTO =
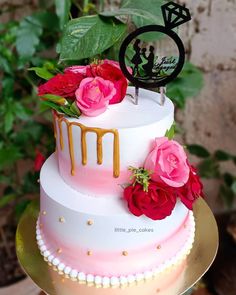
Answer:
(85, 229)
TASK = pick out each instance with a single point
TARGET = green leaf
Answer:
(42, 72)
(51, 105)
(130, 11)
(9, 155)
(198, 150)
(27, 38)
(63, 10)
(22, 112)
(188, 84)
(227, 195)
(5, 200)
(47, 20)
(75, 109)
(209, 168)
(222, 156)
(171, 132)
(5, 65)
(152, 8)
(228, 179)
(88, 36)
(59, 100)
(7, 87)
(8, 120)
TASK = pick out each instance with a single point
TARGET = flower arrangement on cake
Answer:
(165, 177)
(85, 89)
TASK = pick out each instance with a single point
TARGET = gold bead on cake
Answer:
(62, 219)
(90, 222)
(125, 253)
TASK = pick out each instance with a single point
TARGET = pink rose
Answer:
(93, 95)
(77, 70)
(192, 190)
(111, 71)
(168, 162)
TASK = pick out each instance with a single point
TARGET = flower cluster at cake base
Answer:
(85, 89)
(166, 177)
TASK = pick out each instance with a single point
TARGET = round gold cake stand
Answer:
(174, 282)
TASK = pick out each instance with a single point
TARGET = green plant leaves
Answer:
(63, 10)
(28, 37)
(88, 36)
(209, 168)
(42, 73)
(222, 156)
(188, 84)
(198, 151)
(8, 156)
(171, 132)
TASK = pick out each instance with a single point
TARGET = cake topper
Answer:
(150, 68)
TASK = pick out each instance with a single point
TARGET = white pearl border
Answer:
(113, 282)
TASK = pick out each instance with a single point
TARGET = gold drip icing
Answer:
(84, 130)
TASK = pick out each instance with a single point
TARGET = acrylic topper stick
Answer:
(149, 70)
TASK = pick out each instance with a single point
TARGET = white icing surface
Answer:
(128, 115)
(107, 214)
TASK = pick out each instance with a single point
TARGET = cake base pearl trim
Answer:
(106, 282)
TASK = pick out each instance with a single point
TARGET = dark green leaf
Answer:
(42, 72)
(51, 105)
(5, 200)
(63, 10)
(30, 184)
(28, 35)
(198, 150)
(188, 84)
(9, 155)
(88, 36)
(171, 132)
(8, 120)
(227, 195)
(222, 156)
(228, 179)
(67, 110)
(7, 87)
(209, 169)
(47, 20)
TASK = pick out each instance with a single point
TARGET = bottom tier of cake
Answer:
(98, 241)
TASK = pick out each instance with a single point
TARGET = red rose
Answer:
(112, 72)
(38, 161)
(192, 190)
(63, 85)
(157, 203)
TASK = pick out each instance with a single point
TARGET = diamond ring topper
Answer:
(151, 66)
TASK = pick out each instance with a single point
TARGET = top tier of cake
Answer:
(94, 153)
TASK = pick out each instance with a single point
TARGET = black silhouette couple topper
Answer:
(137, 60)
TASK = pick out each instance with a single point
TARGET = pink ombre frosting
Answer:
(78, 224)
(113, 263)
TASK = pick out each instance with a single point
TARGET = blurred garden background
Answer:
(31, 41)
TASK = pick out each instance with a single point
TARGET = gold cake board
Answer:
(174, 282)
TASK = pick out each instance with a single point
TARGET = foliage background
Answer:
(33, 40)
